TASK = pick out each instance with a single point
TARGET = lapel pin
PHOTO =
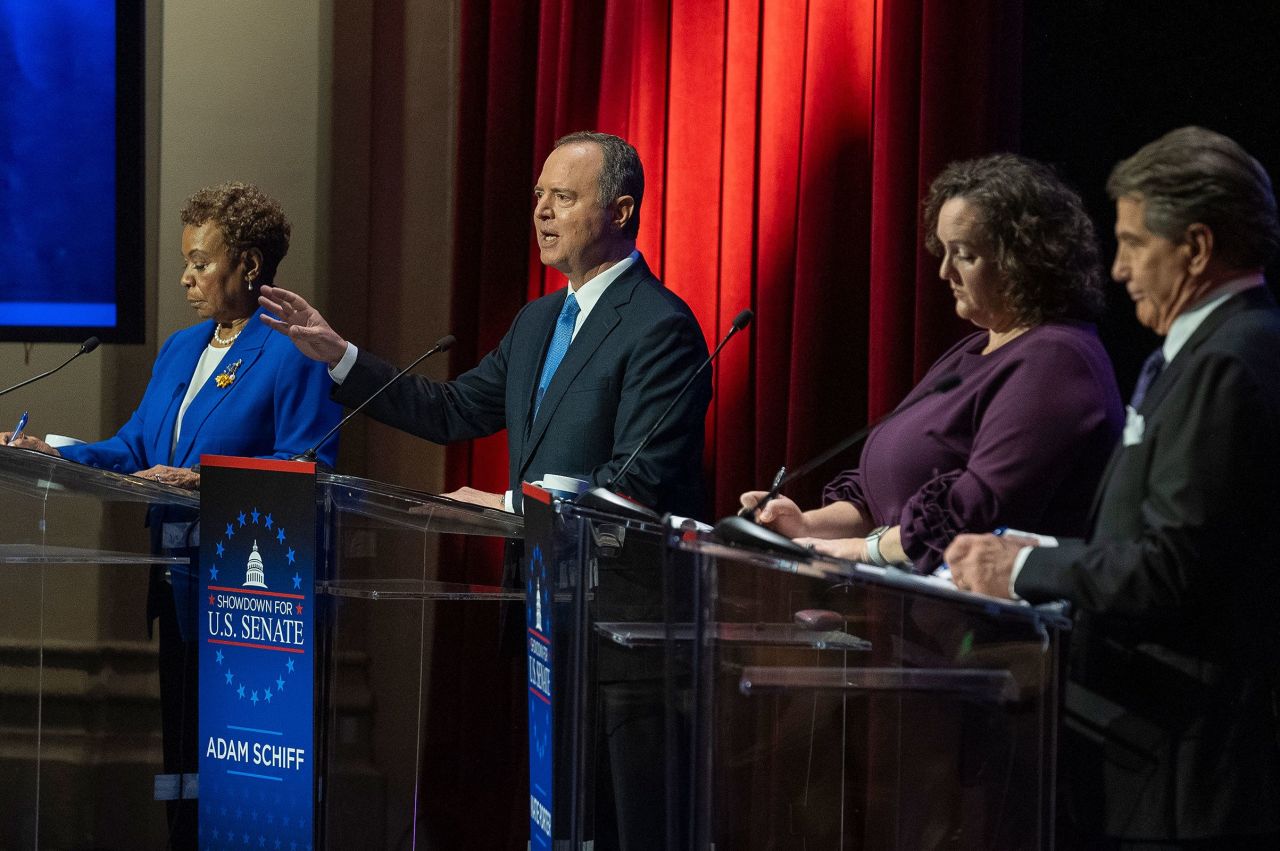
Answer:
(228, 375)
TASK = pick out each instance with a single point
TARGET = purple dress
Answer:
(1022, 442)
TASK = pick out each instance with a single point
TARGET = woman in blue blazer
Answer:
(227, 386)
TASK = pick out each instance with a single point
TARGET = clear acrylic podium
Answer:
(398, 706)
(596, 577)
(842, 706)
(416, 679)
(708, 696)
(79, 711)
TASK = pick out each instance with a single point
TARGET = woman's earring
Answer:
(249, 281)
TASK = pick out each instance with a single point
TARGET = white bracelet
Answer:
(873, 547)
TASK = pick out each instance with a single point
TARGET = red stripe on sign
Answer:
(279, 465)
(540, 695)
(255, 646)
(259, 593)
(536, 492)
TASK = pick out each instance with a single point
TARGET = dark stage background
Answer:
(1100, 79)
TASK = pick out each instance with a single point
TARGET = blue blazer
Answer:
(277, 406)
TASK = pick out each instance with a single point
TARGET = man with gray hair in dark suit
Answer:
(1170, 727)
(579, 379)
(583, 372)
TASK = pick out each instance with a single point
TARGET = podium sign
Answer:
(257, 652)
(539, 581)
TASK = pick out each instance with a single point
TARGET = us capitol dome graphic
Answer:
(253, 576)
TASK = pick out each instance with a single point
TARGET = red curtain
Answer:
(786, 146)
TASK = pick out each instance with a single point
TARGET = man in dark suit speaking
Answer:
(1170, 732)
(582, 374)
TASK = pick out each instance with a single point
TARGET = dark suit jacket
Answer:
(1170, 729)
(636, 349)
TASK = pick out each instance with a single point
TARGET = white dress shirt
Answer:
(208, 362)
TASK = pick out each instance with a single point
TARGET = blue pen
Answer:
(17, 430)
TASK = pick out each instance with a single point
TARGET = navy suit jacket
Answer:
(633, 353)
(277, 406)
(1169, 725)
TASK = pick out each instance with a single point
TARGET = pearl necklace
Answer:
(218, 337)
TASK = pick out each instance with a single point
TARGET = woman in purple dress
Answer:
(1022, 441)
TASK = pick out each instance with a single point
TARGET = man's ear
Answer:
(1197, 243)
(624, 207)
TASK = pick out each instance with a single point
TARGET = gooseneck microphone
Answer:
(742, 320)
(943, 385)
(741, 530)
(85, 347)
(442, 345)
(603, 497)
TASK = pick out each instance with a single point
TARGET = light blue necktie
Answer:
(559, 345)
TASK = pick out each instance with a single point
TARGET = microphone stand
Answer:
(442, 345)
(85, 347)
(604, 498)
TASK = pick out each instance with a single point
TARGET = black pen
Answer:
(772, 494)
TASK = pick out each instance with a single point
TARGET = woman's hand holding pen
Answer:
(779, 514)
(26, 441)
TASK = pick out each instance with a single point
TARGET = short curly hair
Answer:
(1046, 248)
(247, 217)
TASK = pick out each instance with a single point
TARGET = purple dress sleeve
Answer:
(846, 487)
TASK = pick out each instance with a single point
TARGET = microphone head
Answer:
(743, 319)
(945, 383)
(445, 343)
(88, 345)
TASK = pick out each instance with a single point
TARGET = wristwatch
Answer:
(873, 547)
